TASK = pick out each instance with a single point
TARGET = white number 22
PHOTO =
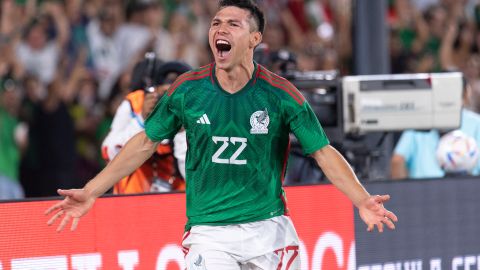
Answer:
(233, 159)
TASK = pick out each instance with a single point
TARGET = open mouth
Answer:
(223, 47)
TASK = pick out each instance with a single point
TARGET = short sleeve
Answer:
(165, 120)
(405, 145)
(304, 124)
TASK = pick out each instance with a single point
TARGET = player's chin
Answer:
(221, 64)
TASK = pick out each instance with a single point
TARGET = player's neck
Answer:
(234, 79)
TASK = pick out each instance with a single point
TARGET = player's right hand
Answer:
(77, 203)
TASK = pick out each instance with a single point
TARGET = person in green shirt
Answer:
(237, 116)
(12, 139)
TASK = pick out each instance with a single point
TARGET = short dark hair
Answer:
(249, 5)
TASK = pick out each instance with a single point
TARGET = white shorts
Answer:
(270, 244)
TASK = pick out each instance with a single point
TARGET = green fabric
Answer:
(39, 2)
(21, 2)
(101, 133)
(433, 45)
(407, 37)
(237, 143)
(9, 153)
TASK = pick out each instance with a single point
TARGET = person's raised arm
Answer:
(446, 49)
(56, 10)
(339, 172)
(78, 202)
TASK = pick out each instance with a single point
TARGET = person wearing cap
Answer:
(150, 79)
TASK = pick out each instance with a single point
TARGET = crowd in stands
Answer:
(65, 66)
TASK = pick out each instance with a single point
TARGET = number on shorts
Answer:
(293, 250)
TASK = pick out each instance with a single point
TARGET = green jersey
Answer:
(237, 143)
(9, 152)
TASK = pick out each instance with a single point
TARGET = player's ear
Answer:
(255, 39)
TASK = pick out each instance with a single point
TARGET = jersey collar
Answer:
(245, 89)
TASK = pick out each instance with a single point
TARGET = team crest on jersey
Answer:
(259, 122)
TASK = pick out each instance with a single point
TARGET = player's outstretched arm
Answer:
(78, 202)
(339, 172)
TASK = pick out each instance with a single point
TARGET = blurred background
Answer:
(65, 66)
(68, 68)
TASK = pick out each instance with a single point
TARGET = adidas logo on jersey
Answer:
(204, 120)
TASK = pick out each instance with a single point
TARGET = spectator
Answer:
(87, 112)
(38, 54)
(409, 33)
(279, 13)
(34, 92)
(414, 154)
(77, 23)
(13, 140)
(275, 37)
(105, 50)
(51, 150)
(185, 48)
(457, 46)
(429, 58)
(200, 23)
(134, 36)
(472, 67)
(162, 41)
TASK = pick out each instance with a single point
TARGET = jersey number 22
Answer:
(226, 142)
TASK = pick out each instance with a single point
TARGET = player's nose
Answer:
(222, 29)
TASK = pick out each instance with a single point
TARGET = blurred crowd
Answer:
(434, 36)
(65, 66)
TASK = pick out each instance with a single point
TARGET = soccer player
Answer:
(237, 116)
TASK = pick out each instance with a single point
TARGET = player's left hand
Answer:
(374, 213)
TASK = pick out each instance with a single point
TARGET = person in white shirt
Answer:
(150, 79)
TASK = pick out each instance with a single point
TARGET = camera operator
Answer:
(150, 79)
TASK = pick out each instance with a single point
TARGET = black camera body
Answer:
(152, 71)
